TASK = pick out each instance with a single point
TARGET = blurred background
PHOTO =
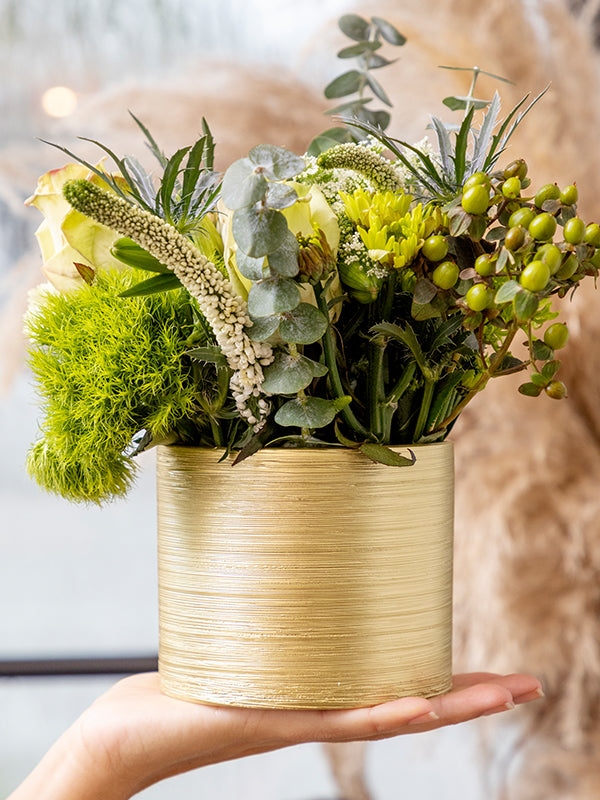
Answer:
(78, 581)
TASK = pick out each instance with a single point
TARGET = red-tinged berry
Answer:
(515, 238)
(556, 390)
(516, 169)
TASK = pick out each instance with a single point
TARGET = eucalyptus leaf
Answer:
(359, 49)
(304, 325)
(385, 455)
(308, 412)
(242, 186)
(272, 296)
(258, 231)
(280, 196)
(354, 27)
(251, 268)
(350, 105)
(284, 260)
(290, 373)
(345, 84)
(457, 103)
(263, 328)
(378, 90)
(276, 163)
(391, 34)
(377, 62)
(328, 139)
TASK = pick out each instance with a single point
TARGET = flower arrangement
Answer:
(359, 296)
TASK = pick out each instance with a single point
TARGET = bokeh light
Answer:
(59, 101)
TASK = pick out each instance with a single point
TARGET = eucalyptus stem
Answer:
(330, 352)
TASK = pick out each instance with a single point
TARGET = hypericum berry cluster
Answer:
(223, 309)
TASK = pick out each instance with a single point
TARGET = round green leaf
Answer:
(354, 27)
(304, 325)
(507, 292)
(272, 296)
(242, 185)
(288, 374)
(258, 231)
(284, 260)
(347, 83)
(262, 328)
(308, 412)
(276, 163)
(359, 49)
(251, 268)
(525, 304)
(279, 196)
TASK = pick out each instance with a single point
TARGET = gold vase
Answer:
(304, 578)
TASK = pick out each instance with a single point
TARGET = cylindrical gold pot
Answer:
(304, 578)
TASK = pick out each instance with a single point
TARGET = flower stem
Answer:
(428, 390)
(330, 352)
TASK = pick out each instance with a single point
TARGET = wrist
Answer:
(69, 771)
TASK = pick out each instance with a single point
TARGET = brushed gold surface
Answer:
(304, 578)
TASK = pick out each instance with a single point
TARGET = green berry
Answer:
(476, 199)
(556, 335)
(542, 227)
(556, 390)
(550, 255)
(574, 230)
(477, 179)
(485, 265)
(569, 195)
(535, 276)
(592, 234)
(522, 216)
(515, 238)
(445, 274)
(479, 297)
(549, 191)
(435, 248)
(511, 188)
(516, 169)
(568, 268)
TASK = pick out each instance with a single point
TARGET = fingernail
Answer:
(509, 706)
(540, 692)
(499, 709)
(429, 717)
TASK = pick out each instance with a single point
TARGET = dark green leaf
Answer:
(276, 163)
(159, 283)
(354, 27)
(385, 455)
(525, 304)
(530, 389)
(272, 296)
(457, 103)
(550, 369)
(345, 84)
(258, 231)
(154, 148)
(309, 412)
(129, 252)
(424, 291)
(381, 119)
(169, 179)
(422, 311)
(541, 351)
(242, 186)
(304, 325)
(377, 62)
(460, 149)
(459, 221)
(391, 34)
(211, 354)
(539, 380)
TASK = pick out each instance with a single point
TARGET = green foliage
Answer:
(105, 368)
(368, 37)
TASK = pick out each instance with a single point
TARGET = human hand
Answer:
(134, 736)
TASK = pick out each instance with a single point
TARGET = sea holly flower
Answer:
(66, 237)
